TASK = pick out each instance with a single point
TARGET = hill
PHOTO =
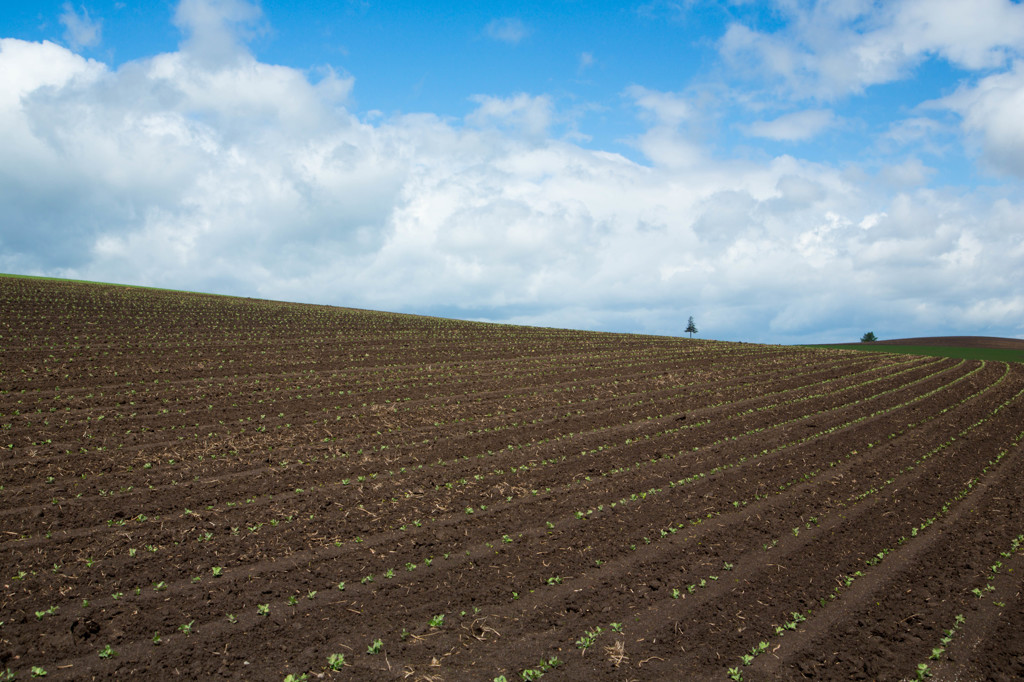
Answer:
(991, 342)
(210, 487)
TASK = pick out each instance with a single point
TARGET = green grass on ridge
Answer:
(996, 354)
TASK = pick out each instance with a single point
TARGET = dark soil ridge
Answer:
(105, 507)
(991, 342)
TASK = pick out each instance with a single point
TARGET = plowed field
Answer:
(208, 487)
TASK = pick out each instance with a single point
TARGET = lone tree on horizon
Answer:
(868, 338)
(691, 328)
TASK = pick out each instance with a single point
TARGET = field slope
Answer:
(965, 347)
(205, 487)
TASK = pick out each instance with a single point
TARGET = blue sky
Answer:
(784, 171)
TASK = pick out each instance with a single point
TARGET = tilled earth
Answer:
(208, 487)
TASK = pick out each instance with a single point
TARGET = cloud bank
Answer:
(205, 169)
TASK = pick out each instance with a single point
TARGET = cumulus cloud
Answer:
(829, 49)
(991, 112)
(80, 30)
(795, 127)
(208, 170)
(507, 30)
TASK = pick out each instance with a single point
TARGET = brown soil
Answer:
(994, 342)
(188, 480)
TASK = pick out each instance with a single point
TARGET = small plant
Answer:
(186, 628)
(263, 609)
(437, 621)
(107, 652)
(376, 646)
(588, 638)
(232, 619)
(48, 612)
(336, 661)
(217, 571)
(156, 638)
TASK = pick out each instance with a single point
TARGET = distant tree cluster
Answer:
(868, 338)
(691, 328)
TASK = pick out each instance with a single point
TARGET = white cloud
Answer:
(215, 29)
(795, 127)
(666, 107)
(909, 173)
(522, 112)
(925, 135)
(507, 30)
(80, 30)
(25, 67)
(665, 142)
(992, 117)
(980, 34)
(829, 49)
(234, 176)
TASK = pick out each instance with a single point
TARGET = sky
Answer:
(783, 172)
